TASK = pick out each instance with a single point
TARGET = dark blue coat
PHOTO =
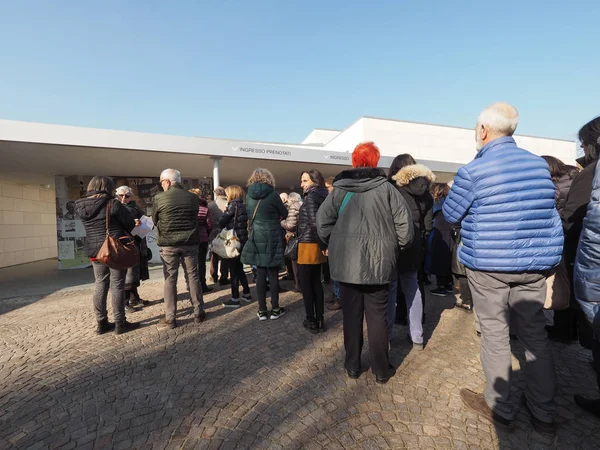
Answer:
(504, 200)
(587, 262)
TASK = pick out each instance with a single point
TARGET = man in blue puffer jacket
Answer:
(512, 236)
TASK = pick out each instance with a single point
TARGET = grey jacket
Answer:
(216, 210)
(365, 240)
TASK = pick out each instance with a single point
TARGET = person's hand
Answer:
(326, 252)
(137, 222)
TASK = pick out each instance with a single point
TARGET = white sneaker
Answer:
(233, 303)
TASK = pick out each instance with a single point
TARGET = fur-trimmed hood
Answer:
(359, 180)
(412, 172)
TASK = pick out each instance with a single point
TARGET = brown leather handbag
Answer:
(118, 253)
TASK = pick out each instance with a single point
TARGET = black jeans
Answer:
(357, 302)
(465, 290)
(261, 287)
(237, 277)
(214, 268)
(202, 251)
(312, 290)
(443, 280)
(326, 273)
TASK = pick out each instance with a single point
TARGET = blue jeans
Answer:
(336, 289)
(409, 283)
(591, 310)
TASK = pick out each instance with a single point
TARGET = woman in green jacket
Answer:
(265, 245)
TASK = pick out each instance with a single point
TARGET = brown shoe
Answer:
(331, 298)
(336, 305)
(170, 324)
(477, 403)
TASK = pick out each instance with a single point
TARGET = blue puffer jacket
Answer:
(587, 262)
(505, 201)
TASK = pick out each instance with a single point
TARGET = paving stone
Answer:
(234, 382)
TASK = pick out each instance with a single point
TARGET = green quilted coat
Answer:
(265, 244)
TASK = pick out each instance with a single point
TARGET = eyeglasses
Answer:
(124, 195)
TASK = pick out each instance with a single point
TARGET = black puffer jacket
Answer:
(413, 183)
(176, 217)
(92, 211)
(236, 215)
(307, 216)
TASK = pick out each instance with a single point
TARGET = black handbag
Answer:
(291, 248)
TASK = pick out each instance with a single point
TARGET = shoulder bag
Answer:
(118, 253)
(226, 244)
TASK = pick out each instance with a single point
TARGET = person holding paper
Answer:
(140, 272)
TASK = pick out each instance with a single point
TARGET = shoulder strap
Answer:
(255, 210)
(108, 215)
(347, 198)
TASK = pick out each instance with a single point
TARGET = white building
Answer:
(40, 163)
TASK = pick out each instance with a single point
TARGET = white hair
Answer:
(171, 175)
(124, 190)
(502, 118)
(294, 197)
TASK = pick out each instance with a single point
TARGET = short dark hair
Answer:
(589, 136)
(400, 162)
(102, 184)
(315, 176)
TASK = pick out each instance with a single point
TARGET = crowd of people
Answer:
(517, 235)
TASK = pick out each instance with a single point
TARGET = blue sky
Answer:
(274, 70)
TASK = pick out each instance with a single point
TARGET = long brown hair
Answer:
(439, 191)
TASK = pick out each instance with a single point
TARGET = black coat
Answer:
(236, 216)
(575, 209)
(307, 216)
(142, 244)
(92, 211)
(176, 217)
(413, 183)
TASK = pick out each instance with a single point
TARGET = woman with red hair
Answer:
(365, 222)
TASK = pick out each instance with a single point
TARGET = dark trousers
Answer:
(261, 287)
(326, 274)
(202, 251)
(113, 280)
(357, 302)
(465, 290)
(214, 267)
(238, 276)
(312, 290)
(443, 280)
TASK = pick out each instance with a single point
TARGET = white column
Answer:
(216, 179)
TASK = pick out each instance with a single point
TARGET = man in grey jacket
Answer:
(216, 209)
(365, 222)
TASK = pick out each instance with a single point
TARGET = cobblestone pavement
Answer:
(234, 382)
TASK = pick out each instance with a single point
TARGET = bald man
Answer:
(512, 237)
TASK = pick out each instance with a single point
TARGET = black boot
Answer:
(104, 326)
(205, 287)
(123, 326)
(311, 325)
(321, 324)
(590, 405)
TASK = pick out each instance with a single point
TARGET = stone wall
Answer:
(27, 223)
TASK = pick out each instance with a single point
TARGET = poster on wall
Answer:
(70, 230)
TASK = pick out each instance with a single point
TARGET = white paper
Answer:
(144, 228)
(66, 250)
